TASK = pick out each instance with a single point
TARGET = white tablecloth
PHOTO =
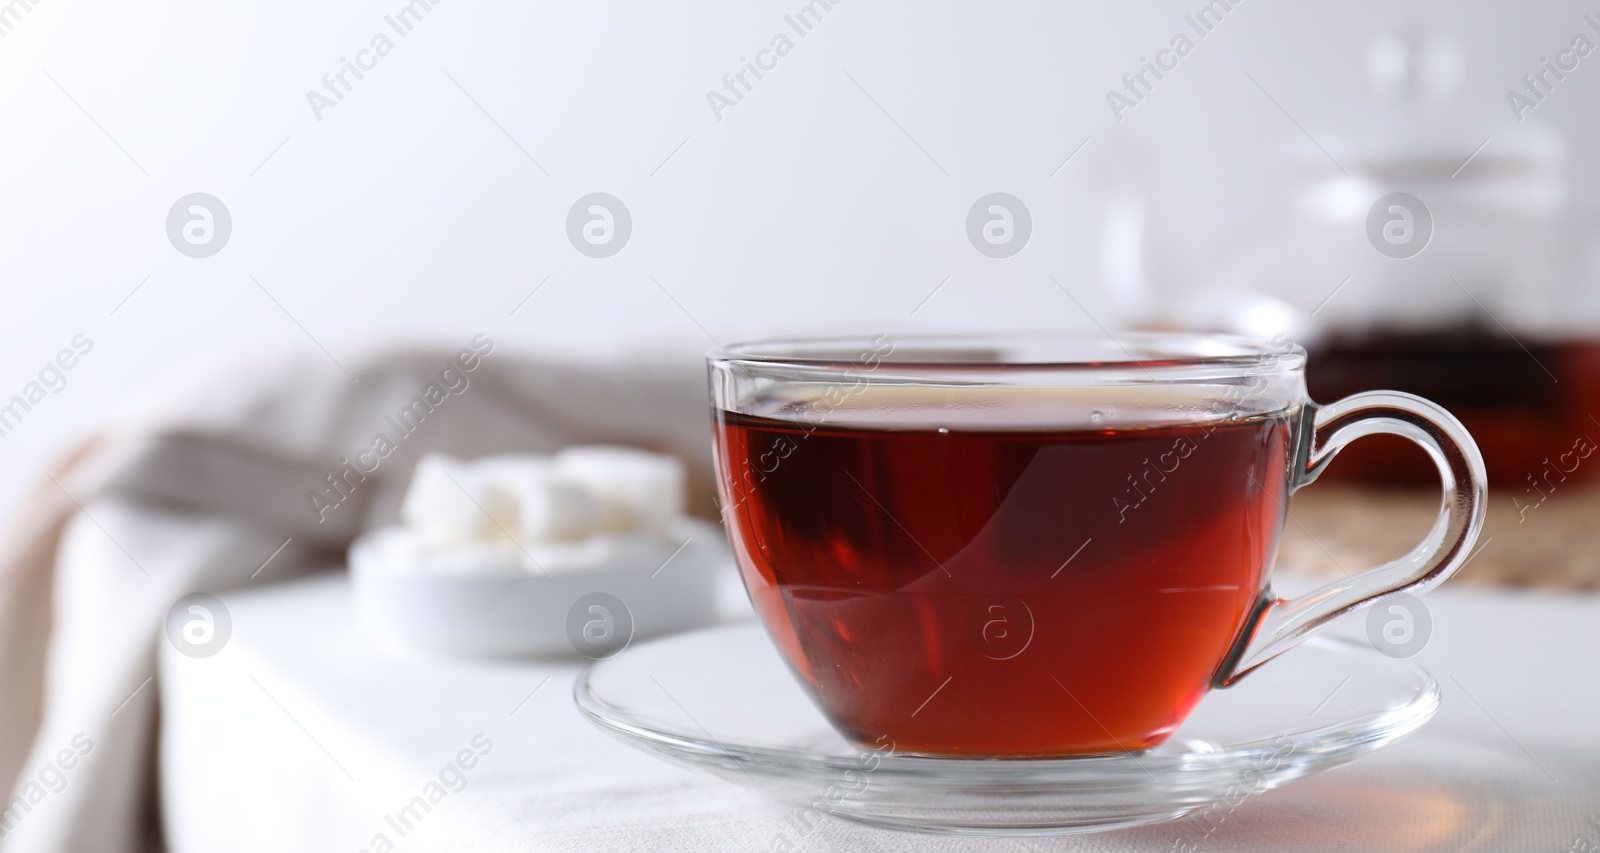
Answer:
(302, 736)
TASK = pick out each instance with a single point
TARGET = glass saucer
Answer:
(721, 701)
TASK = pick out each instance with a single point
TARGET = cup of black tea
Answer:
(1042, 546)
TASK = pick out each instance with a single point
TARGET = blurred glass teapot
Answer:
(1421, 258)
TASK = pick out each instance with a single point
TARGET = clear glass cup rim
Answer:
(1148, 352)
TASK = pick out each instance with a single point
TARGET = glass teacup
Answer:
(1043, 546)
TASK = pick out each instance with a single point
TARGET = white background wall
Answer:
(406, 213)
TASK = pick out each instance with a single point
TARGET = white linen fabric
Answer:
(301, 735)
(276, 457)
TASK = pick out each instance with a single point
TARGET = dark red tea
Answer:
(993, 592)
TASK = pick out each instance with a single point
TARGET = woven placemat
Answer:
(1551, 542)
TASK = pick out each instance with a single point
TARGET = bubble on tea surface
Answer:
(1097, 417)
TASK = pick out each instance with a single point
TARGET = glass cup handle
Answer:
(1282, 624)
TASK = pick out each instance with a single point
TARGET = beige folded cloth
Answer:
(199, 491)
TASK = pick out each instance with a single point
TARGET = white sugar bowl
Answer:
(580, 552)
